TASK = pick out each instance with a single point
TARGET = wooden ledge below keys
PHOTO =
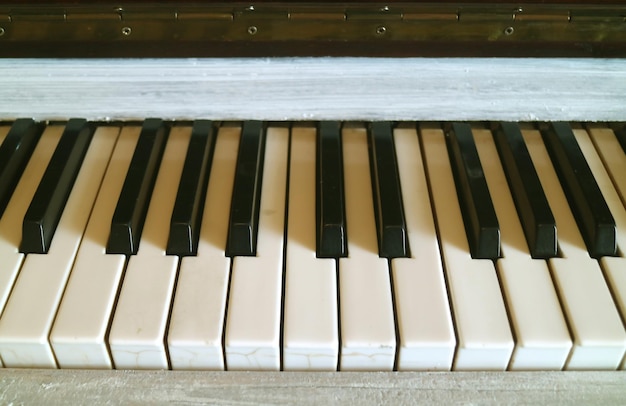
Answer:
(32, 386)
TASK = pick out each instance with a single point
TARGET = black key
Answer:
(530, 200)
(246, 199)
(481, 222)
(187, 213)
(132, 206)
(46, 208)
(332, 239)
(592, 214)
(620, 133)
(15, 152)
(390, 222)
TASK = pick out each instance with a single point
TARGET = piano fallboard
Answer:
(268, 28)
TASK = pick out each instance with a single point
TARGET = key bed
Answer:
(233, 310)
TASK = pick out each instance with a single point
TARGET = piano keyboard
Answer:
(313, 246)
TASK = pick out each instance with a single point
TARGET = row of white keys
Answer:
(137, 335)
(614, 267)
(368, 339)
(542, 340)
(311, 337)
(196, 324)
(252, 337)
(78, 336)
(595, 324)
(425, 330)
(484, 337)
(31, 309)
(11, 221)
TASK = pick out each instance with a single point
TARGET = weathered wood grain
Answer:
(52, 387)
(315, 88)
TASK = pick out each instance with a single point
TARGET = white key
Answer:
(614, 161)
(542, 339)
(483, 333)
(197, 322)
(78, 336)
(30, 311)
(253, 322)
(426, 333)
(137, 336)
(11, 221)
(368, 338)
(614, 267)
(311, 338)
(598, 333)
(613, 157)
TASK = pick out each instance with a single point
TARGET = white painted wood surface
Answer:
(63, 387)
(315, 88)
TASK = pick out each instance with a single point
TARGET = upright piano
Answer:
(313, 201)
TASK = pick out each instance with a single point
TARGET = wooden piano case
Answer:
(143, 28)
(138, 28)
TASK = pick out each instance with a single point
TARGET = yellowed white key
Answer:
(31, 309)
(595, 325)
(614, 267)
(78, 336)
(197, 322)
(368, 338)
(252, 336)
(614, 160)
(542, 340)
(11, 221)
(424, 318)
(484, 337)
(137, 336)
(311, 337)
(612, 155)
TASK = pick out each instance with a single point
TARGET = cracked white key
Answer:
(596, 328)
(426, 333)
(252, 337)
(31, 309)
(484, 336)
(310, 340)
(197, 322)
(137, 335)
(78, 336)
(609, 178)
(542, 340)
(368, 337)
(11, 221)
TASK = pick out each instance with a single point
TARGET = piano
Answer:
(358, 201)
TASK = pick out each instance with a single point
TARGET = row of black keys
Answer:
(591, 211)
